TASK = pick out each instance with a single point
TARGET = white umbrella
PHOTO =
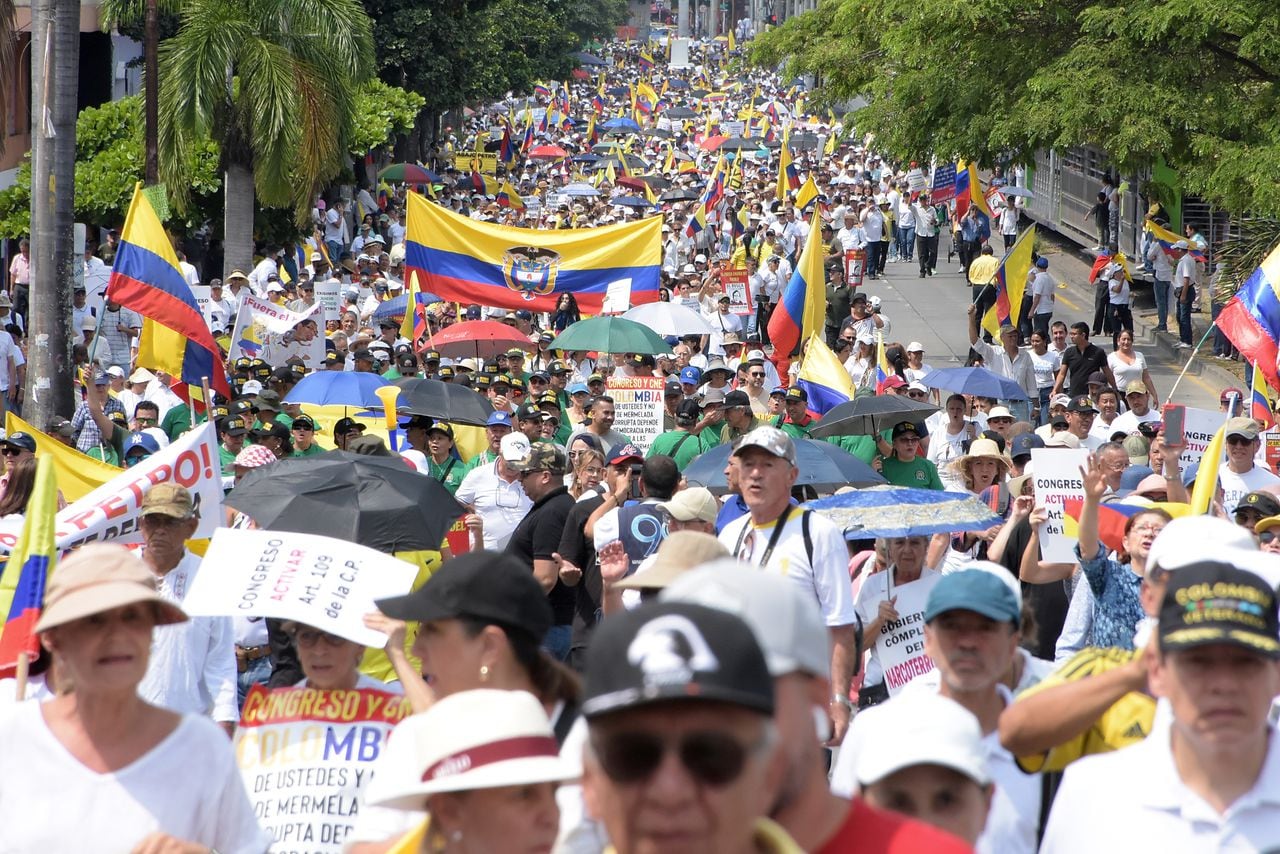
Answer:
(669, 318)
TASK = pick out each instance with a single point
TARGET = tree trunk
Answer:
(55, 70)
(238, 216)
(151, 91)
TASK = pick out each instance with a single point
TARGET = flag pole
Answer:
(1195, 350)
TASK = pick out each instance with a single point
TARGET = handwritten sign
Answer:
(307, 755)
(900, 646)
(1057, 478)
(637, 405)
(320, 581)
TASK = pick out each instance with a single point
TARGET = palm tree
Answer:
(273, 81)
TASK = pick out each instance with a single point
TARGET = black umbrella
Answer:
(804, 141)
(661, 133)
(658, 182)
(588, 59)
(680, 113)
(379, 502)
(456, 404)
(864, 416)
(738, 143)
(823, 466)
(617, 91)
(678, 196)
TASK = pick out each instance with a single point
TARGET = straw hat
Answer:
(679, 553)
(98, 578)
(480, 739)
(982, 449)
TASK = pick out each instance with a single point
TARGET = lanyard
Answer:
(773, 538)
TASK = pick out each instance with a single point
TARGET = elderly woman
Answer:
(330, 662)
(507, 803)
(141, 778)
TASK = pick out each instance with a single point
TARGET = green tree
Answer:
(274, 82)
(1192, 82)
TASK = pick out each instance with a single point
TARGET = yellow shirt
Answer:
(983, 269)
(1127, 722)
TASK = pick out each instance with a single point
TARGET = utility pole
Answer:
(151, 91)
(55, 70)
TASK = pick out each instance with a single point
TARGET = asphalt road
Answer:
(934, 311)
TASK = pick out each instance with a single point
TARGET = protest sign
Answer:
(1057, 478)
(307, 755)
(900, 646)
(734, 283)
(944, 183)
(916, 180)
(734, 127)
(320, 581)
(111, 513)
(637, 406)
(202, 293)
(328, 294)
(1199, 427)
(471, 161)
(270, 332)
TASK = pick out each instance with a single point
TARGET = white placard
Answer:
(1057, 478)
(329, 295)
(900, 646)
(1199, 427)
(617, 297)
(266, 331)
(637, 406)
(319, 581)
(734, 127)
(202, 295)
(916, 180)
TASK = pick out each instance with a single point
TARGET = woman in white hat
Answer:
(485, 765)
(982, 466)
(99, 768)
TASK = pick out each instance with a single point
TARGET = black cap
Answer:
(441, 427)
(233, 425)
(362, 354)
(483, 585)
(668, 652)
(1216, 603)
(688, 410)
(303, 422)
(908, 427)
(735, 398)
(343, 426)
(558, 367)
(1081, 403)
(20, 440)
(272, 428)
(528, 412)
(797, 393)
(1262, 502)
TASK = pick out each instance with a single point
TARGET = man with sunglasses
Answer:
(1242, 474)
(681, 751)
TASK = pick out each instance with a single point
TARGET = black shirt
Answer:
(580, 550)
(1080, 365)
(537, 537)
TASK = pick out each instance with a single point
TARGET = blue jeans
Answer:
(256, 672)
(1184, 317)
(1222, 345)
(558, 641)
(1044, 405)
(1161, 290)
(873, 258)
(335, 250)
(906, 242)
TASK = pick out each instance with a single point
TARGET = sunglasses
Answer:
(918, 395)
(1267, 537)
(11, 452)
(756, 375)
(712, 758)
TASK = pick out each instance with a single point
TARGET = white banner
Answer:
(111, 512)
(203, 295)
(900, 646)
(306, 756)
(269, 332)
(1057, 477)
(637, 406)
(1199, 428)
(329, 295)
(322, 582)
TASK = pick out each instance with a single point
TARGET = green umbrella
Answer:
(611, 335)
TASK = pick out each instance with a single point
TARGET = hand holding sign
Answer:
(887, 611)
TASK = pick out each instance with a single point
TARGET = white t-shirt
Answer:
(501, 504)
(826, 576)
(1126, 373)
(1045, 367)
(1237, 486)
(187, 786)
(1129, 421)
(1043, 287)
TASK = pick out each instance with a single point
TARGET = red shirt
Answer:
(866, 830)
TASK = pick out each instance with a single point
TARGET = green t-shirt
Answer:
(450, 474)
(792, 429)
(314, 450)
(918, 474)
(862, 447)
(681, 445)
(228, 460)
(481, 459)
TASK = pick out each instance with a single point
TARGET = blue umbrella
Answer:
(977, 381)
(630, 202)
(621, 123)
(396, 306)
(338, 388)
(585, 158)
(588, 59)
(823, 466)
(899, 511)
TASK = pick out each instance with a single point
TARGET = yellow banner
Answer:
(485, 163)
(78, 474)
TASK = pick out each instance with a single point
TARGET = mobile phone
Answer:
(1174, 423)
(636, 469)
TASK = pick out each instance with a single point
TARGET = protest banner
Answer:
(916, 180)
(270, 332)
(734, 283)
(1057, 478)
(307, 755)
(320, 581)
(111, 512)
(471, 161)
(78, 474)
(944, 183)
(900, 646)
(637, 406)
(328, 294)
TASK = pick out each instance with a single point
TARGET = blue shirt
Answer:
(1115, 590)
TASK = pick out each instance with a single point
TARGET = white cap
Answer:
(1060, 400)
(874, 302)
(1000, 412)
(915, 347)
(1063, 439)
(917, 728)
(275, 287)
(699, 258)
(916, 385)
(696, 502)
(865, 338)
(478, 739)
(141, 375)
(1190, 539)
(115, 371)
(787, 624)
(514, 446)
(755, 355)
(394, 285)
(251, 387)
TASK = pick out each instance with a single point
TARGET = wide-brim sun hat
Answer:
(98, 578)
(983, 449)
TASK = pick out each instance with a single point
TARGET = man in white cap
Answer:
(804, 546)
(1242, 474)
(493, 495)
(1184, 291)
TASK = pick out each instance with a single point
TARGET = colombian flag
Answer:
(1260, 401)
(1113, 516)
(466, 261)
(788, 177)
(801, 311)
(645, 61)
(23, 582)
(1167, 238)
(823, 378)
(414, 324)
(1252, 318)
(1010, 282)
(509, 198)
(969, 192)
(146, 278)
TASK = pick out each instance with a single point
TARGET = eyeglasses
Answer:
(711, 758)
(142, 419)
(311, 637)
(1148, 528)
(11, 452)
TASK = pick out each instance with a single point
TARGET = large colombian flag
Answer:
(802, 310)
(969, 193)
(146, 278)
(1252, 318)
(475, 262)
(1010, 282)
(823, 378)
(25, 575)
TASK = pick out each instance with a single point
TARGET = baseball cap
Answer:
(528, 412)
(691, 375)
(688, 410)
(1097, 378)
(1137, 448)
(99, 577)
(1244, 427)
(1081, 403)
(514, 447)
(770, 439)
(736, 398)
(1135, 387)
(480, 585)
(143, 440)
(234, 425)
(1190, 539)
(1063, 439)
(498, 418)
(694, 503)
(755, 356)
(676, 555)
(674, 652)
(542, 456)
(115, 371)
(1022, 445)
(671, 388)
(1228, 392)
(780, 391)
(1042, 262)
(27, 442)
(622, 453)
(1211, 602)
(787, 624)
(303, 422)
(1263, 502)
(343, 426)
(578, 388)
(918, 728)
(907, 427)
(797, 393)
(168, 499)
(973, 590)
(1180, 244)
(1060, 400)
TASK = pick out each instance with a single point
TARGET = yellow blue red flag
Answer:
(1252, 318)
(824, 378)
(1010, 283)
(1260, 400)
(801, 311)
(25, 575)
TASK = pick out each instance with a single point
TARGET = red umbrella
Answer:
(711, 143)
(484, 339)
(550, 152)
(634, 183)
